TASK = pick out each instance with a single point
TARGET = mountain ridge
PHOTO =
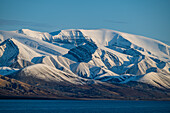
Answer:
(85, 57)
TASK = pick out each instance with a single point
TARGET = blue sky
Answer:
(149, 18)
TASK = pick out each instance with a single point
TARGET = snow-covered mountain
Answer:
(81, 56)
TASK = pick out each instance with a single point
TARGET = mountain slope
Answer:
(14, 88)
(36, 44)
(46, 74)
(13, 52)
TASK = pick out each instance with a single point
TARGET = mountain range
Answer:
(83, 64)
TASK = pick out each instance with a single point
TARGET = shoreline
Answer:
(72, 98)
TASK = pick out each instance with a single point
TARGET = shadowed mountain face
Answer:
(86, 63)
(84, 52)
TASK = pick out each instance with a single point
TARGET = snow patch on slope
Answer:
(35, 34)
(49, 74)
(156, 79)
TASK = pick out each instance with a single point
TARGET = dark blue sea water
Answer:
(83, 106)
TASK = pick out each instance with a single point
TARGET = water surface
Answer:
(83, 106)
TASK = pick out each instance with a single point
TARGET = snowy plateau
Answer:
(78, 63)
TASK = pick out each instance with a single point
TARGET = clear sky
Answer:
(150, 18)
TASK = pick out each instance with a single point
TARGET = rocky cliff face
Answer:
(84, 52)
